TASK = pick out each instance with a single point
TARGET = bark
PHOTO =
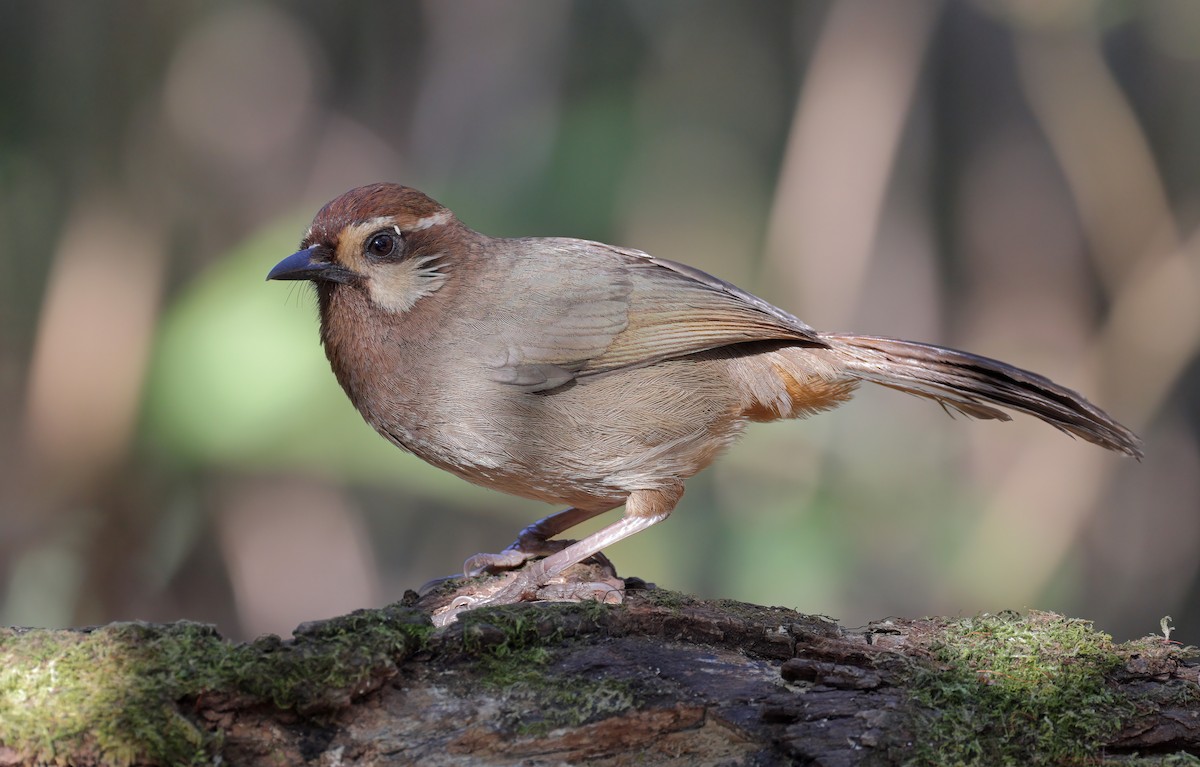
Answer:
(660, 679)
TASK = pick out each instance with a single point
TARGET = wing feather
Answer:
(616, 308)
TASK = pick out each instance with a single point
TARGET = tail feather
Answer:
(974, 385)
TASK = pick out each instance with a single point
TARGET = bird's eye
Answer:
(382, 245)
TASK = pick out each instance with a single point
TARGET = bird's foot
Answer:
(523, 550)
(579, 583)
(509, 559)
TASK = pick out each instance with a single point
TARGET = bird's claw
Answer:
(509, 559)
(515, 556)
(604, 592)
(506, 589)
(525, 586)
(449, 613)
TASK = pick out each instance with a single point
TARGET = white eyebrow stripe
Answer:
(436, 219)
(381, 222)
(389, 222)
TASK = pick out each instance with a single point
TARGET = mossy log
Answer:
(661, 679)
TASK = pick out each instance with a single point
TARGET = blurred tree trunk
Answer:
(662, 679)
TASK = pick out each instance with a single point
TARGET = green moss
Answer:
(1160, 760)
(672, 600)
(536, 707)
(506, 629)
(513, 657)
(536, 698)
(1013, 690)
(509, 640)
(113, 695)
(503, 630)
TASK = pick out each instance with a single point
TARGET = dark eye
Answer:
(383, 244)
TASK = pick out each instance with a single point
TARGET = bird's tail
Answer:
(974, 385)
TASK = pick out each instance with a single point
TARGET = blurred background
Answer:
(1019, 178)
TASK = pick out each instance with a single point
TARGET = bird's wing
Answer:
(616, 308)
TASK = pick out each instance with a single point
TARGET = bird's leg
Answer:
(643, 509)
(533, 541)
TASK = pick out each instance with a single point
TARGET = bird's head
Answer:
(387, 241)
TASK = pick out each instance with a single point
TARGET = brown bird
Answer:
(589, 375)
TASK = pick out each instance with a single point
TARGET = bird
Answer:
(593, 376)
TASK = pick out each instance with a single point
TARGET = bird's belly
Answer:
(591, 442)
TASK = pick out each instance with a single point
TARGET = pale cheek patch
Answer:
(397, 287)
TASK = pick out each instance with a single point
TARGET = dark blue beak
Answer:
(310, 264)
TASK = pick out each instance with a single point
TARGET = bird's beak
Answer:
(310, 264)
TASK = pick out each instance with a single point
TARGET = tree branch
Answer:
(663, 678)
